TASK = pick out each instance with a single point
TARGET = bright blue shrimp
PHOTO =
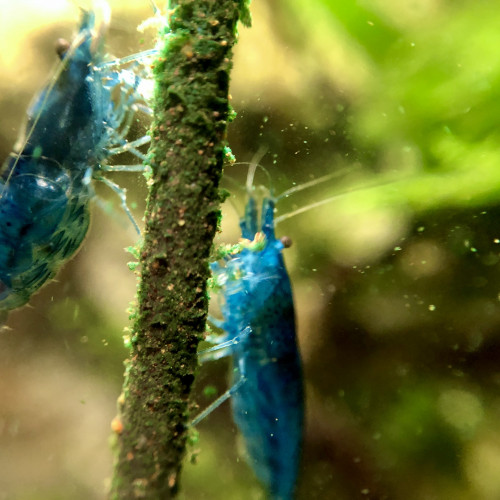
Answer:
(72, 127)
(259, 326)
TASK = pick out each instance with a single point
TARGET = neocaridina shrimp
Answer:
(73, 126)
(259, 325)
(259, 334)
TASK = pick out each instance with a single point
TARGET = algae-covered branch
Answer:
(191, 112)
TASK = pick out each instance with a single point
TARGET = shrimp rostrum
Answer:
(72, 127)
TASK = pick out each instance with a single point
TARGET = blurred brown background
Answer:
(396, 282)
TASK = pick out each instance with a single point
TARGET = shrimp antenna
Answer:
(247, 163)
(335, 197)
(234, 182)
(317, 181)
(253, 167)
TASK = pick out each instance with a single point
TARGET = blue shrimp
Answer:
(72, 128)
(259, 325)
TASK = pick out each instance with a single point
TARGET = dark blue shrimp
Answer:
(259, 321)
(72, 127)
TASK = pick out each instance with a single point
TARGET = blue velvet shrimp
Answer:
(77, 121)
(259, 325)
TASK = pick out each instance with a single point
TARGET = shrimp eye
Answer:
(62, 46)
(287, 241)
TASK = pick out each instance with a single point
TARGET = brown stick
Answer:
(188, 138)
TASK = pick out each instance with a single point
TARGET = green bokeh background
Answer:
(396, 281)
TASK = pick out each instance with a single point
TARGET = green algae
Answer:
(188, 149)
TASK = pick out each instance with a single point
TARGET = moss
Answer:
(187, 154)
